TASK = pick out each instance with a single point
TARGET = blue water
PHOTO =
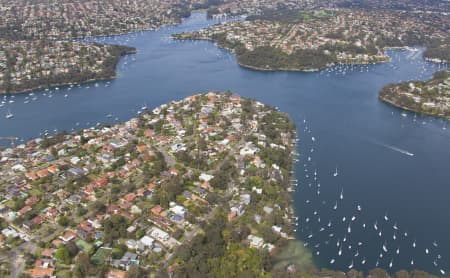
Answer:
(365, 139)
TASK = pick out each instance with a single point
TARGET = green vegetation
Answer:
(428, 97)
(271, 58)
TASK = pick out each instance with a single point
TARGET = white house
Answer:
(147, 241)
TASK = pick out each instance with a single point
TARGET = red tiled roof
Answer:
(130, 197)
(41, 272)
(47, 252)
(24, 210)
(157, 210)
(42, 173)
(38, 219)
(115, 273)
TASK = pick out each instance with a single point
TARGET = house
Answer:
(116, 273)
(41, 272)
(151, 187)
(179, 210)
(177, 218)
(249, 149)
(24, 210)
(38, 220)
(135, 245)
(51, 213)
(44, 263)
(74, 160)
(28, 224)
(276, 229)
(53, 169)
(31, 176)
(48, 253)
(245, 199)
(10, 232)
(205, 177)
(74, 199)
(43, 173)
(56, 243)
(142, 148)
(68, 236)
(267, 210)
(187, 194)
(232, 215)
(130, 197)
(157, 210)
(147, 241)
(159, 234)
(76, 172)
(127, 260)
(255, 241)
(31, 201)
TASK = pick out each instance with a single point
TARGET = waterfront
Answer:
(364, 138)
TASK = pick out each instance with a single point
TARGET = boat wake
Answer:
(402, 151)
(398, 150)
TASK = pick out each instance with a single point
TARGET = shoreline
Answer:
(394, 104)
(64, 84)
(271, 69)
(59, 85)
(85, 39)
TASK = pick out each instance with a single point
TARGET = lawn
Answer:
(84, 246)
(101, 255)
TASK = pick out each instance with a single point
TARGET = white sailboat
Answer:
(9, 115)
(351, 265)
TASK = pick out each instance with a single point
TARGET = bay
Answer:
(389, 162)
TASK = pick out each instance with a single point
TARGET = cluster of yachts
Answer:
(347, 237)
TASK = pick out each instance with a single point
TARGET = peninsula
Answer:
(431, 97)
(37, 39)
(36, 64)
(308, 40)
(197, 180)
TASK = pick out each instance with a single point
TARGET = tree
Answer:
(63, 221)
(135, 272)
(239, 261)
(62, 254)
(72, 248)
(83, 264)
(115, 227)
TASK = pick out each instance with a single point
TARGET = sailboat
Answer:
(384, 247)
(9, 115)
(335, 173)
(351, 265)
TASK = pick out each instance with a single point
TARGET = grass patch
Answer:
(101, 255)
